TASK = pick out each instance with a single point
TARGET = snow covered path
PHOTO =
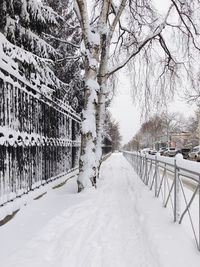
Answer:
(106, 228)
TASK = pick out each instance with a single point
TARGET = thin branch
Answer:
(67, 58)
(156, 32)
(116, 19)
(186, 26)
(82, 14)
(61, 40)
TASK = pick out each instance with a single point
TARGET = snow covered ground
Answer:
(120, 224)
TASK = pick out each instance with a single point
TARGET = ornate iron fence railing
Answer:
(170, 179)
(39, 137)
(106, 146)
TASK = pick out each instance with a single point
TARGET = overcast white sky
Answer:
(128, 114)
(122, 107)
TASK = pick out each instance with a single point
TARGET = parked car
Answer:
(185, 152)
(195, 153)
(152, 151)
(162, 150)
(170, 152)
(145, 151)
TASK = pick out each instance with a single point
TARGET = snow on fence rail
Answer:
(39, 138)
(170, 179)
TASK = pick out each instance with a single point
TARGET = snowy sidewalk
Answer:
(118, 225)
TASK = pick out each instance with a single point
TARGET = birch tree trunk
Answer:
(101, 108)
(100, 117)
(102, 80)
(87, 162)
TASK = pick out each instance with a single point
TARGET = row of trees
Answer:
(160, 128)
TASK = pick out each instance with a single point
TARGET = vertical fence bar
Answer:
(146, 169)
(164, 185)
(156, 176)
(140, 170)
(176, 192)
(199, 215)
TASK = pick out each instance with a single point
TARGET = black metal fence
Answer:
(39, 138)
(106, 146)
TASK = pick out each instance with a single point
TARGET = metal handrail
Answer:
(166, 177)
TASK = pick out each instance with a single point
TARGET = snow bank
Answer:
(18, 203)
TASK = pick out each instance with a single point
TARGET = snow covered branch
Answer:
(139, 47)
(82, 11)
(62, 40)
(116, 19)
(68, 58)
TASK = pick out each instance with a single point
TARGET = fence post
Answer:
(176, 192)
(199, 216)
(138, 164)
(142, 168)
(156, 175)
(140, 173)
(164, 185)
(132, 160)
(145, 177)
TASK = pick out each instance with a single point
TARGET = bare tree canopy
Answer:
(158, 126)
(162, 53)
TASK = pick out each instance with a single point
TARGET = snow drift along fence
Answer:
(39, 138)
(176, 182)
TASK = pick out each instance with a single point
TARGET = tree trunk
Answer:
(101, 106)
(87, 162)
(101, 110)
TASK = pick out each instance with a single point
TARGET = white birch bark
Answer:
(87, 162)
(102, 80)
(106, 37)
(101, 111)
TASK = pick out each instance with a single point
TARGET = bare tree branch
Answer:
(61, 40)
(155, 33)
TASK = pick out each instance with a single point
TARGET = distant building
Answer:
(183, 139)
(179, 140)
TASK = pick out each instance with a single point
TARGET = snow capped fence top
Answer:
(190, 168)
